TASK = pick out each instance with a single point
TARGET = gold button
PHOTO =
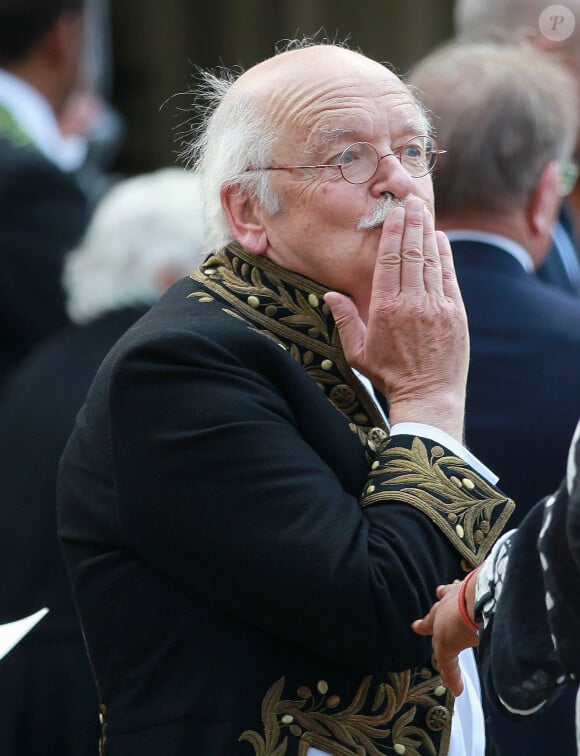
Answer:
(253, 301)
(440, 690)
(469, 484)
(313, 300)
(370, 489)
(322, 687)
(327, 364)
(287, 719)
(455, 481)
(459, 530)
(437, 451)
(400, 748)
(436, 718)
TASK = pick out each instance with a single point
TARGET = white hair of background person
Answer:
(502, 112)
(145, 233)
(239, 130)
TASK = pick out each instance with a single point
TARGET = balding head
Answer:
(279, 101)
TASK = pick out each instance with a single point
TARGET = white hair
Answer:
(235, 135)
(145, 230)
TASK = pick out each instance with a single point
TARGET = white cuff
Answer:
(440, 437)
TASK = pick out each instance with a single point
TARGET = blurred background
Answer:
(149, 50)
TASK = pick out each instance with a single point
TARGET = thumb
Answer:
(350, 326)
(423, 626)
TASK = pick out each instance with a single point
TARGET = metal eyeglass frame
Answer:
(396, 153)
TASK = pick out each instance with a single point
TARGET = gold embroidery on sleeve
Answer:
(371, 725)
(470, 512)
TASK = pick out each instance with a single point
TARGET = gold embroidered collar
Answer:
(290, 309)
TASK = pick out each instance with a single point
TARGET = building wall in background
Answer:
(157, 46)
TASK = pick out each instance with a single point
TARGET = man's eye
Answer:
(352, 154)
(348, 157)
(413, 152)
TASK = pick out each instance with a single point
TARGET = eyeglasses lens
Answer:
(568, 177)
(360, 161)
(418, 156)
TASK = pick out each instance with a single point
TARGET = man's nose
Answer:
(391, 178)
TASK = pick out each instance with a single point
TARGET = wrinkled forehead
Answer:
(315, 93)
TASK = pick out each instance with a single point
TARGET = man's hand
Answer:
(450, 635)
(415, 344)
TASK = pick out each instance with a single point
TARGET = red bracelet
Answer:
(463, 606)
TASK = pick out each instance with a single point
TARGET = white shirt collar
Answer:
(36, 118)
(503, 242)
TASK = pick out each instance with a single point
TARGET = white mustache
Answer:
(379, 214)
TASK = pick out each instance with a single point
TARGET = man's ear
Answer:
(544, 202)
(245, 219)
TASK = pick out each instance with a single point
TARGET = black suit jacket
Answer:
(523, 401)
(43, 214)
(245, 574)
(47, 692)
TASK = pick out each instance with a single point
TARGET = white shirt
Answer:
(36, 118)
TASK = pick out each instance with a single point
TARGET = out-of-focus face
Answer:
(72, 27)
(326, 99)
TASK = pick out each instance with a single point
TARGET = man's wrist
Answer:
(466, 601)
(445, 415)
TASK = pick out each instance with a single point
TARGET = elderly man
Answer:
(554, 29)
(247, 544)
(511, 117)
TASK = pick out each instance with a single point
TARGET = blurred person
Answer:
(43, 212)
(556, 32)
(145, 233)
(248, 537)
(521, 607)
(508, 118)
(88, 117)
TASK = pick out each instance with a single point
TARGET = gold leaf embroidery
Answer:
(458, 500)
(317, 719)
(290, 310)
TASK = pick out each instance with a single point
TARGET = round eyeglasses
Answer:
(359, 162)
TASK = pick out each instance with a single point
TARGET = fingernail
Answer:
(332, 299)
